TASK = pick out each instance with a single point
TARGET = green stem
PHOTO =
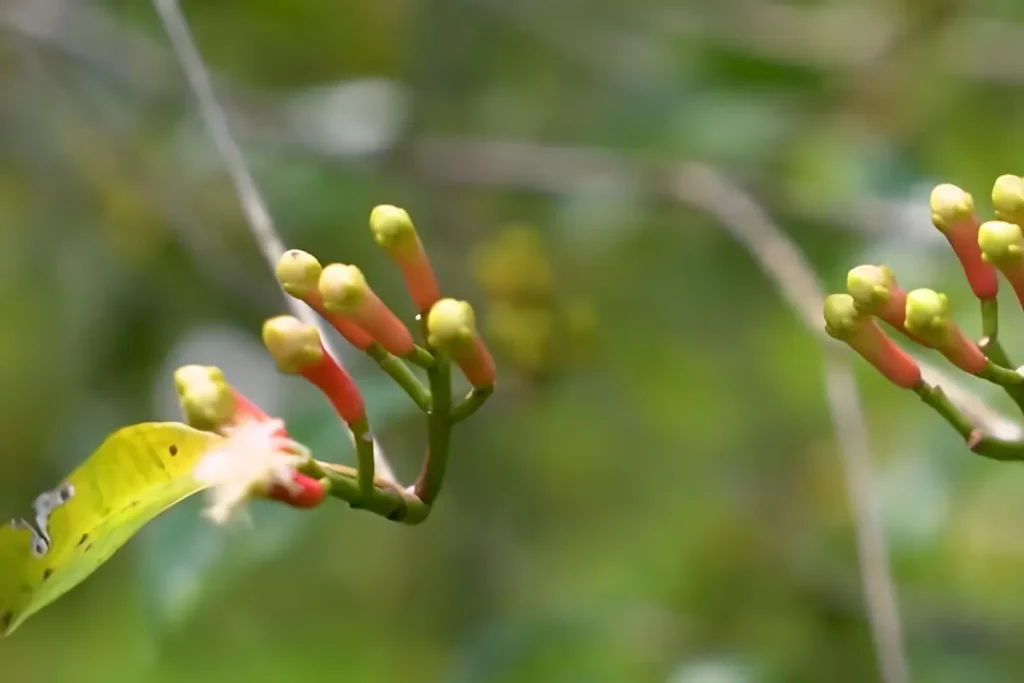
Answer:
(421, 357)
(471, 403)
(989, 342)
(982, 444)
(402, 375)
(312, 468)
(990, 346)
(386, 499)
(439, 431)
(1004, 377)
(364, 456)
(1011, 381)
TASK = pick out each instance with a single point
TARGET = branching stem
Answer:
(471, 403)
(977, 441)
(385, 498)
(439, 431)
(402, 375)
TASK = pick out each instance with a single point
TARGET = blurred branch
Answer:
(700, 187)
(845, 36)
(779, 257)
(253, 206)
(697, 186)
(563, 170)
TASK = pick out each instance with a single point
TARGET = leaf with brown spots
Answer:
(134, 476)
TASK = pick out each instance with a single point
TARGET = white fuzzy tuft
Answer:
(252, 458)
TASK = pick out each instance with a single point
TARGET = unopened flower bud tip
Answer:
(298, 272)
(1001, 243)
(205, 397)
(451, 325)
(343, 288)
(393, 230)
(842, 319)
(871, 287)
(1008, 198)
(927, 312)
(293, 344)
(950, 205)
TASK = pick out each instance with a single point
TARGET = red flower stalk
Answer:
(297, 349)
(928, 318)
(1002, 245)
(344, 290)
(953, 214)
(245, 409)
(862, 334)
(451, 327)
(303, 492)
(393, 231)
(299, 272)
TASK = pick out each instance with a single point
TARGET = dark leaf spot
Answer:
(47, 573)
(135, 504)
(88, 548)
(173, 450)
(6, 619)
(85, 537)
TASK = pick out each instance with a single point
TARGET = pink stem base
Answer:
(421, 283)
(478, 366)
(981, 276)
(338, 386)
(890, 360)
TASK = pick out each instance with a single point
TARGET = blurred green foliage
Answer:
(668, 504)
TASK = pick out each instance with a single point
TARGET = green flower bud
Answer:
(871, 287)
(950, 206)
(1001, 243)
(294, 345)
(298, 272)
(394, 231)
(204, 395)
(928, 316)
(343, 288)
(1008, 198)
(451, 326)
(842, 319)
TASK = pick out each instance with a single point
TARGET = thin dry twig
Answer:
(783, 262)
(253, 206)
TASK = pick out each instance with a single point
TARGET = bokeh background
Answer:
(656, 493)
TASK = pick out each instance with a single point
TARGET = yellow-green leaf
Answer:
(137, 473)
